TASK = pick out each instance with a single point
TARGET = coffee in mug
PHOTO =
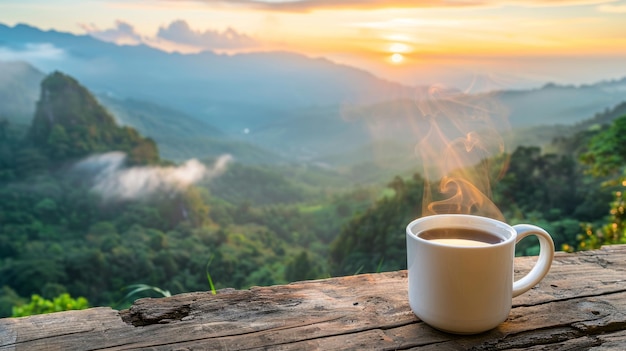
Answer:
(460, 270)
(460, 237)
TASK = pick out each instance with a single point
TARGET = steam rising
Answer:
(114, 181)
(458, 150)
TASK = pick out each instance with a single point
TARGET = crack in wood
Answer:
(576, 297)
(542, 336)
(552, 335)
(139, 318)
(595, 329)
(225, 336)
(17, 343)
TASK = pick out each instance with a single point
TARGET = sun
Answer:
(397, 51)
(397, 58)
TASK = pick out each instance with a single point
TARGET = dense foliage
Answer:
(546, 190)
(375, 240)
(60, 235)
(606, 157)
(253, 225)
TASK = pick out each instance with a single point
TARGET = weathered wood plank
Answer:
(581, 304)
(75, 330)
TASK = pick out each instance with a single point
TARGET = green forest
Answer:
(253, 224)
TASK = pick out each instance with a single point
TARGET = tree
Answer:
(606, 153)
(8, 299)
(301, 268)
(613, 232)
(606, 157)
(377, 235)
(59, 143)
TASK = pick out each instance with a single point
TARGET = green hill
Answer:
(70, 123)
(62, 233)
(178, 135)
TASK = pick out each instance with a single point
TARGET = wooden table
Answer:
(580, 305)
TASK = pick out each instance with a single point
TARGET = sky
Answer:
(470, 44)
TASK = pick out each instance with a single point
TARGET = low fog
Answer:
(114, 181)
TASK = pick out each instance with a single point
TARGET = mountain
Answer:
(254, 98)
(552, 137)
(561, 104)
(181, 136)
(178, 135)
(156, 120)
(223, 88)
(280, 105)
(69, 123)
(602, 118)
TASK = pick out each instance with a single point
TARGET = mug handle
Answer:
(546, 254)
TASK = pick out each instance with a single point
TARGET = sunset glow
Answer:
(462, 37)
(397, 58)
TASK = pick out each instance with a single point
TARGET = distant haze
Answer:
(476, 45)
(279, 105)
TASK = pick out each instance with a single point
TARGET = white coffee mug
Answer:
(468, 289)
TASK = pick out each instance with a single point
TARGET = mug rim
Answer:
(463, 221)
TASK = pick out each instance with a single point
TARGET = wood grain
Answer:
(580, 305)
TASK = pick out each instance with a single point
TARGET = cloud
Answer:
(123, 33)
(180, 32)
(178, 35)
(35, 52)
(312, 5)
(612, 8)
(114, 181)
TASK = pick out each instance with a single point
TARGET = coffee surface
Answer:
(460, 237)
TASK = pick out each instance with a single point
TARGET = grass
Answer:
(208, 275)
(378, 267)
(137, 288)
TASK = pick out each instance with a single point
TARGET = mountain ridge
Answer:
(179, 136)
(280, 68)
(292, 106)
